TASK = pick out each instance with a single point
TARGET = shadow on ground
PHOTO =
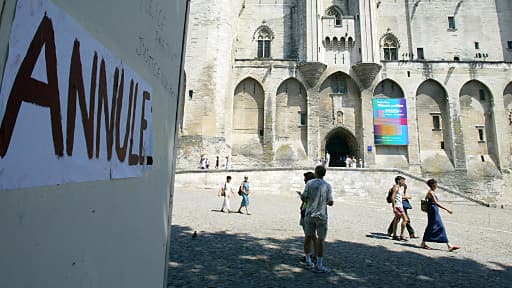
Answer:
(239, 260)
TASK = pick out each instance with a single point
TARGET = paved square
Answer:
(264, 249)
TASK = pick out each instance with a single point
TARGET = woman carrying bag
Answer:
(435, 231)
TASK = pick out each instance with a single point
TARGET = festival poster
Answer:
(390, 121)
(70, 110)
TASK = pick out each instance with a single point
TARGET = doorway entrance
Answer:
(340, 143)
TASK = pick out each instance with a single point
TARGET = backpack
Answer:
(390, 194)
(240, 190)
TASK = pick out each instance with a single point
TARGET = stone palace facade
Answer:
(278, 83)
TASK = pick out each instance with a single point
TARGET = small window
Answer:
(264, 39)
(456, 58)
(436, 122)
(451, 23)
(390, 47)
(477, 45)
(421, 56)
(442, 145)
(339, 85)
(263, 48)
(481, 134)
(481, 92)
(303, 119)
(509, 44)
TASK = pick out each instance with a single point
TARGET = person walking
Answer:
(303, 205)
(318, 195)
(435, 231)
(407, 205)
(245, 190)
(398, 208)
(226, 191)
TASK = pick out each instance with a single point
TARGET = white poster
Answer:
(70, 110)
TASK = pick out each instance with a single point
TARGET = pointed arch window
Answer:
(390, 46)
(264, 42)
(336, 13)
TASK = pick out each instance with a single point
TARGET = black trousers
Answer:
(409, 227)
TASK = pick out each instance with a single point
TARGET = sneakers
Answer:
(321, 269)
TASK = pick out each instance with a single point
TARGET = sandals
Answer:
(426, 247)
(453, 248)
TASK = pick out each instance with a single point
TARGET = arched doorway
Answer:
(340, 143)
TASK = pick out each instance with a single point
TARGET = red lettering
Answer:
(133, 159)
(143, 125)
(76, 88)
(121, 149)
(27, 89)
(103, 100)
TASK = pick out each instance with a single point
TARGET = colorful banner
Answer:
(390, 121)
(70, 109)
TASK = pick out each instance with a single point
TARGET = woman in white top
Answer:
(398, 208)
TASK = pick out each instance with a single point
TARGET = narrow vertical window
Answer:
(420, 54)
(481, 92)
(436, 122)
(481, 134)
(509, 44)
(477, 45)
(303, 118)
(451, 23)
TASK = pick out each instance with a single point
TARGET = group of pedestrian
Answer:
(227, 190)
(204, 163)
(317, 195)
(352, 162)
(435, 230)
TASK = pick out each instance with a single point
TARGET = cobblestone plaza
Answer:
(264, 249)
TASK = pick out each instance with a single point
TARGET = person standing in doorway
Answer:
(217, 163)
(226, 191)
(327, 159)
(245, 190)
(318, 195)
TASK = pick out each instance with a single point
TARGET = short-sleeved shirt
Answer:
(317, 193)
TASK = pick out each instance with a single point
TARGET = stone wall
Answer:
(345, 182)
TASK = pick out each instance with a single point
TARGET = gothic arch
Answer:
(434, 122)
(334, 10)
(340, 142)
(388, 88)
(263, 31)
(291, 121)
(507, 100)
(391, 155)
(248, 103)
(478, 127)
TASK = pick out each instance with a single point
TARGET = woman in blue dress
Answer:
(435, 231)
(244, 188)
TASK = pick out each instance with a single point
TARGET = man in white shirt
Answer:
(318, 194)
(225, 192)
